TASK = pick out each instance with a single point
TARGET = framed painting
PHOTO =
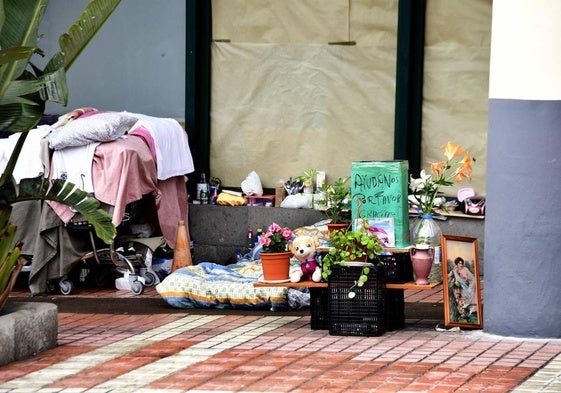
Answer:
(461, 286)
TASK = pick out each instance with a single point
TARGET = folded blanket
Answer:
(209, 285)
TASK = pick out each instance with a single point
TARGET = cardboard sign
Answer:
(379, 190)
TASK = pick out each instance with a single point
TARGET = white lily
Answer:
(418, 184)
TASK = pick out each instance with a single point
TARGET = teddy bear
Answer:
(303, 248)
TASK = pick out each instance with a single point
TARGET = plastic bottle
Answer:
(250, 241)
(258, 235)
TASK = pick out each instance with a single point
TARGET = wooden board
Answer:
(412, 285)
(300, 284)
(312, 284)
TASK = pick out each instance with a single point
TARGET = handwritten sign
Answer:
(379, 190)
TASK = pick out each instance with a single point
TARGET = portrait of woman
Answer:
(461, 287)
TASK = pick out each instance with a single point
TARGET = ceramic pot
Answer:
(421, 259)
(334, 227)
(276, 265)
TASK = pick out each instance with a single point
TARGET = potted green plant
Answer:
(336, 198)
(351, 246)
(24, 90)
(308, 179)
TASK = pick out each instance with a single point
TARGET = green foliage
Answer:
(348, 245)
(307, 177)
(24, 91)
(337, 200)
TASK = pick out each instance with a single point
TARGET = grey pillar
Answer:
(523, 212)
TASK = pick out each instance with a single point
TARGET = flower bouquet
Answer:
(426, 189)
(426, 233)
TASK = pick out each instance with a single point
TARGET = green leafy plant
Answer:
(361, 245)
(215, 181)
(336, 200)
(308, 178)
(24, 91)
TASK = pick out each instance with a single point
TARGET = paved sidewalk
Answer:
(274, 352)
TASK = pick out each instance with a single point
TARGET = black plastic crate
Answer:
(398, 267)
(319, 309)
(365, 313)
(395, 309)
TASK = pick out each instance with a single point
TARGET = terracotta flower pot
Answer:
(334, 227)
(276, 265)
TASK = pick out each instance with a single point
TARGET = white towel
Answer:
(74, 164)
(173, 156)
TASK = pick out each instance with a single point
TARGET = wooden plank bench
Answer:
(313, 284)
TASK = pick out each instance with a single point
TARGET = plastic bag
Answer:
(252, 185)
(298, 201)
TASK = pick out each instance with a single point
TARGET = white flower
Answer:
(418, 184)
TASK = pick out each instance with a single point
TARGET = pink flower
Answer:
(276, 238)
(287, 234)
(265, 240)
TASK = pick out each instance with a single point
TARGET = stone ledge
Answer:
(27, 328)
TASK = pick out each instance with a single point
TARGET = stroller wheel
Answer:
(101, 277)
(66, 286)
(51, 287)
(137, 288)
(149, 278)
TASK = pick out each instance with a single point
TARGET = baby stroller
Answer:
(130, 255)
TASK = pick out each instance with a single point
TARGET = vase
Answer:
(422, 257)
(276, 266)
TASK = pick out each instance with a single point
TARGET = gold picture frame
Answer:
(461, 285)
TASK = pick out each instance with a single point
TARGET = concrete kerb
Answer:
(27, 328)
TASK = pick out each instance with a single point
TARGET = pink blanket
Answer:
(122, 171)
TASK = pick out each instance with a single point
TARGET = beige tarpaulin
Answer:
(456, 82)
(283, 100)
(282, 109)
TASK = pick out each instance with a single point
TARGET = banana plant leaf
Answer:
(24, 88)
(64, 192)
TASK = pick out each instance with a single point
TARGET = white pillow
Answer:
(99, 127)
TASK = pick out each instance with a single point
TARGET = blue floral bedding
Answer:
(210, 285)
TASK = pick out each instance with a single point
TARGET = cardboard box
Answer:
(379, 192)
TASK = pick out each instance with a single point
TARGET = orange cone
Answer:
(182, 250)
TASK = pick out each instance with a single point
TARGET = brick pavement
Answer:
(269, 352)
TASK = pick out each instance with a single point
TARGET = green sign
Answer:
(379, 190)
